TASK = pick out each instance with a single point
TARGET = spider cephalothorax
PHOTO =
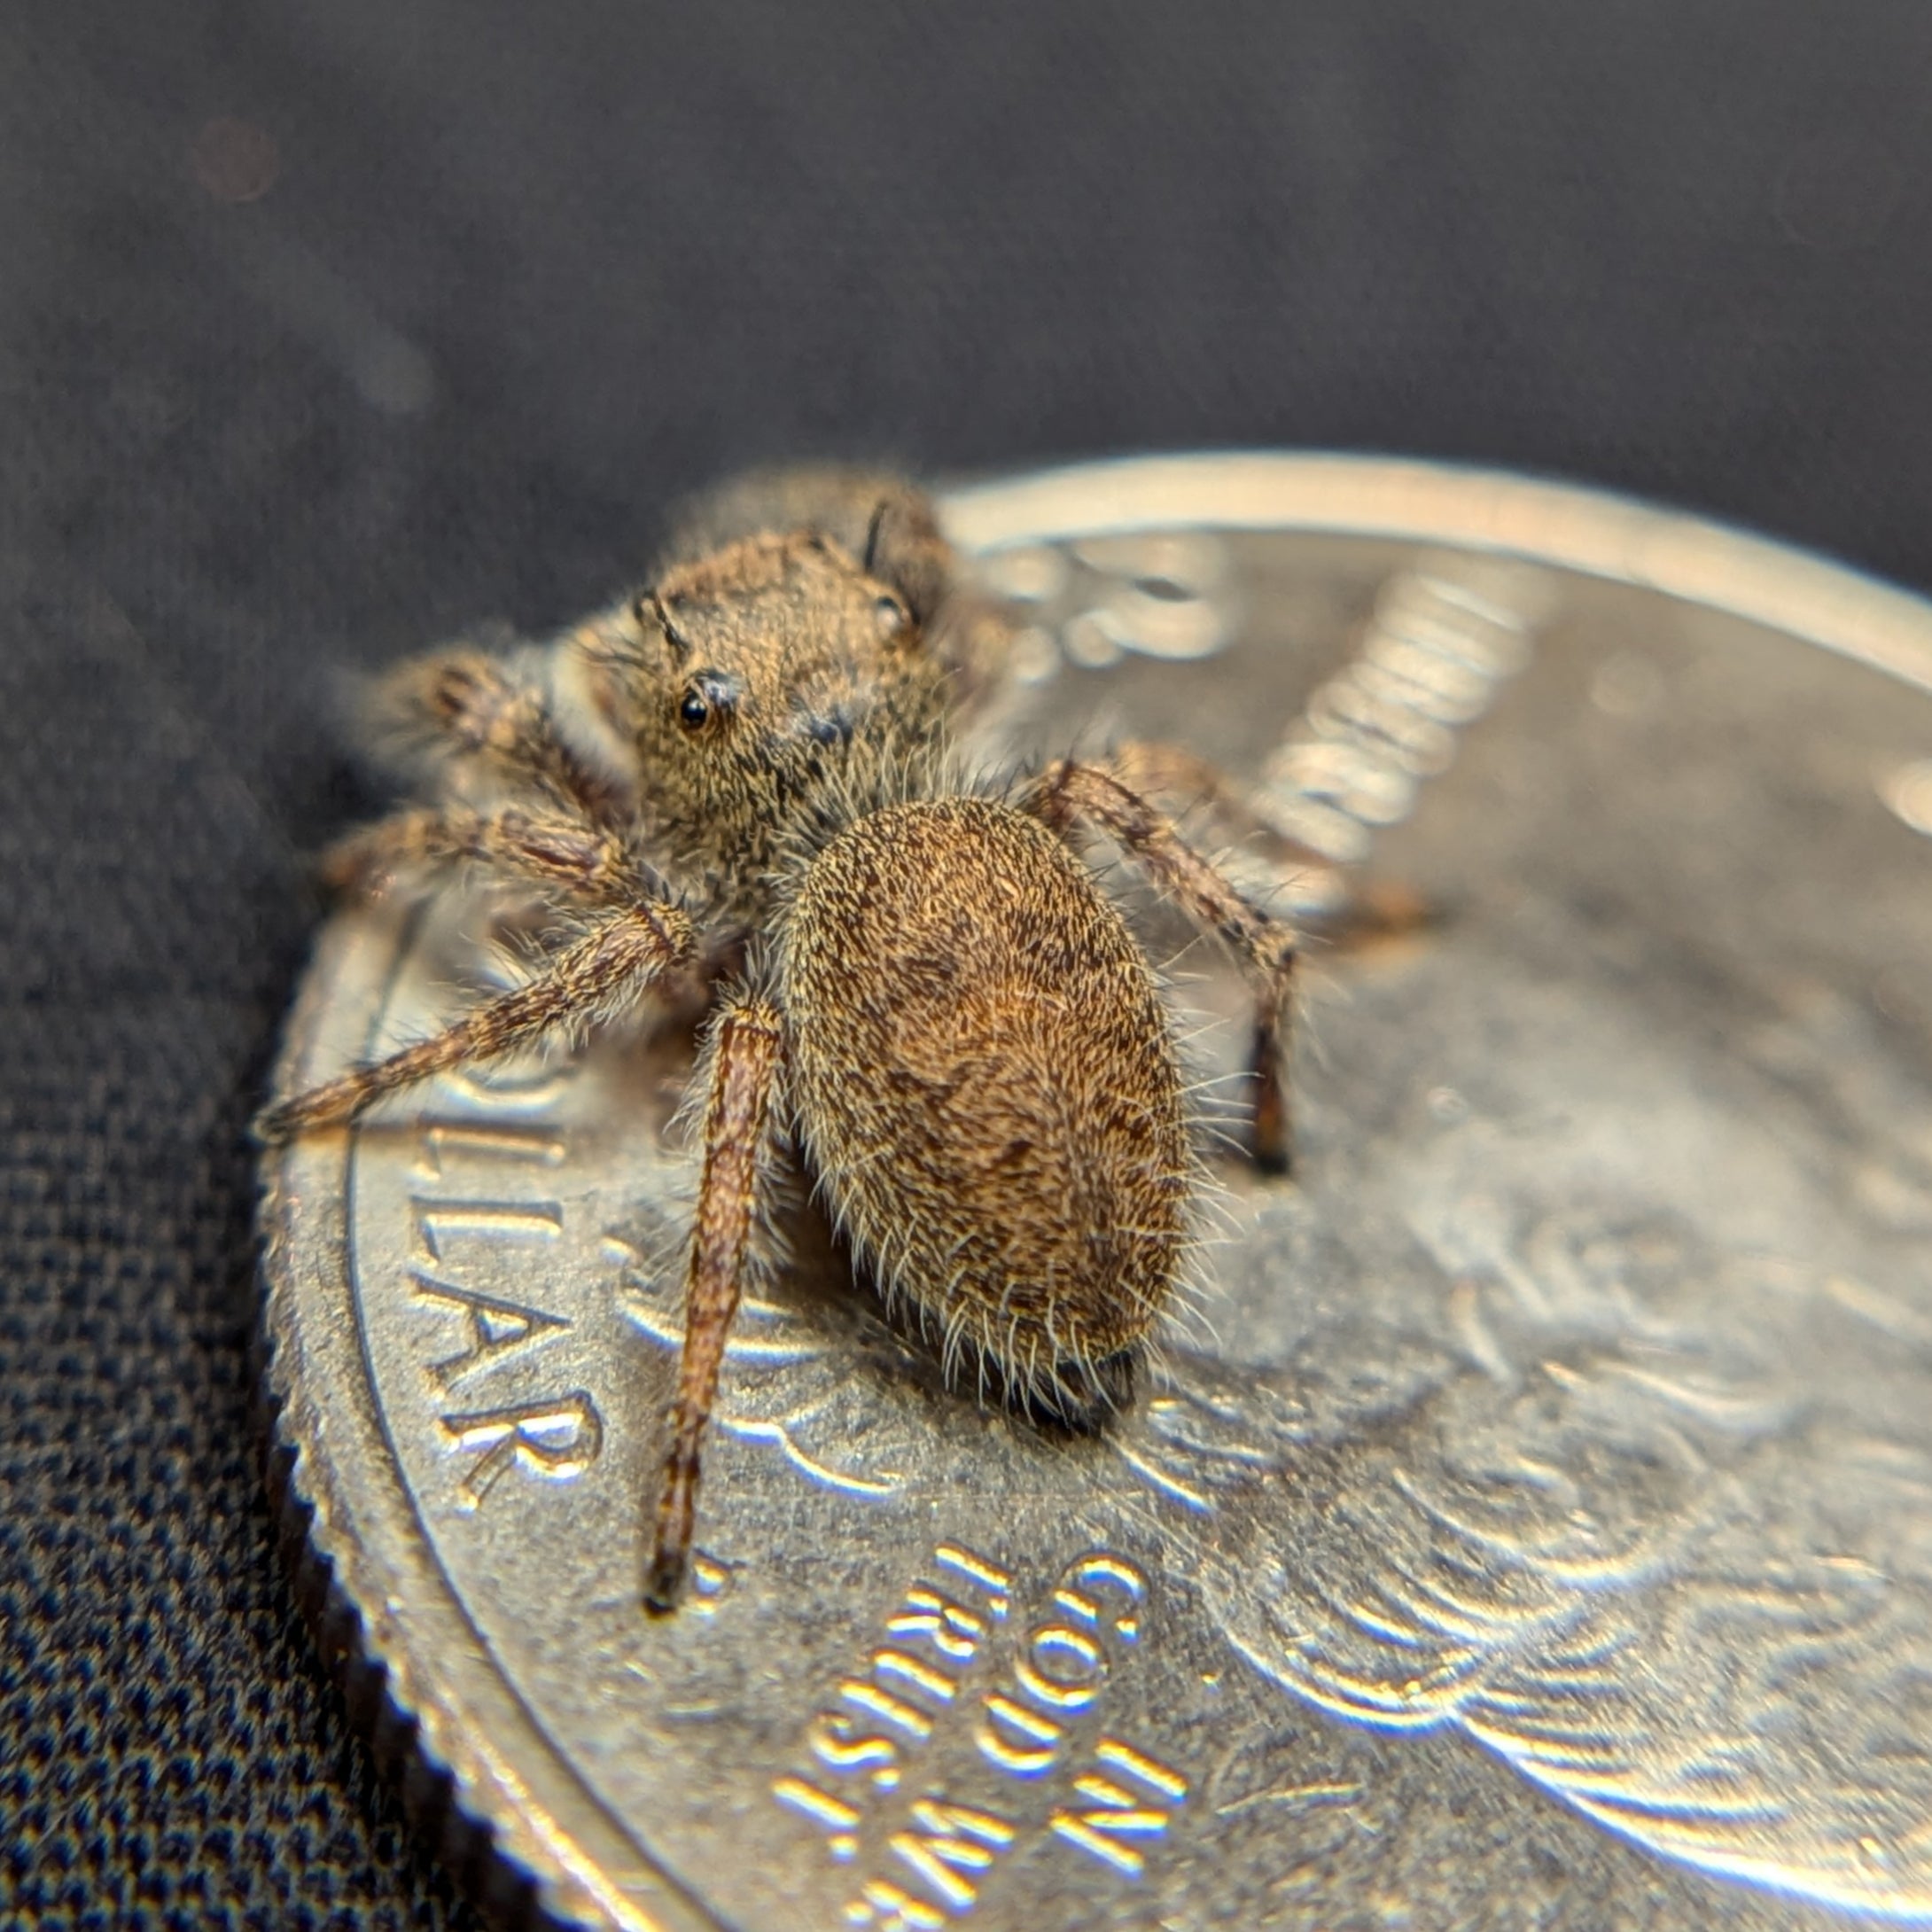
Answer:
(741, 779)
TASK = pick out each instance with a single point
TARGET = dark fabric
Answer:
(325, 330)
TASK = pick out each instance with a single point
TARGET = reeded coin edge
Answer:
(323, 1559)
(463, 1797)
(480, 1782)
(504, 1889)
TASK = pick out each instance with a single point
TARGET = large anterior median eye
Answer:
(707, 700)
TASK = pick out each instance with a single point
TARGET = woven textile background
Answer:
(327, 329)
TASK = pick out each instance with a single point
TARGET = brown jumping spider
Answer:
(739, 780)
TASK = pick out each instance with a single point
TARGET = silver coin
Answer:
(1530, 1523)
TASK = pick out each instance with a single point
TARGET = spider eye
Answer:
(707, 700)
(891, 616)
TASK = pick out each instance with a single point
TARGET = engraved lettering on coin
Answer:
(495, 1325)
(556, 1439)
(1030, 1689)
(1444, 633)
(1162, 595)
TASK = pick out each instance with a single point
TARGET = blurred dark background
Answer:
(327, 329)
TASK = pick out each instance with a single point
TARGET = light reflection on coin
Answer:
(1536, 1527)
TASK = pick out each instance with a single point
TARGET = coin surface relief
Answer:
(1529, 1520)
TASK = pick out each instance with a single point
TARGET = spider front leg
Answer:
(595, 977)
(467, 706)
(745, 1045)
(561, 851)
(1069, 794)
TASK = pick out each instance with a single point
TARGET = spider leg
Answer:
(1069, 794)
(470, 706)
(1183, 779)
(561, 851)
(1375, 910)
(594, 978)
(746, 1044)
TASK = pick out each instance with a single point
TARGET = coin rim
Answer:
(475, 1799)
(1562, 526)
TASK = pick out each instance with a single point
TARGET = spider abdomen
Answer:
(985, 1084)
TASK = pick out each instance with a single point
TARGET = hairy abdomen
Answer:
(985, 1084)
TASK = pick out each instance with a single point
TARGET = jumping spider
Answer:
(739, 782)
